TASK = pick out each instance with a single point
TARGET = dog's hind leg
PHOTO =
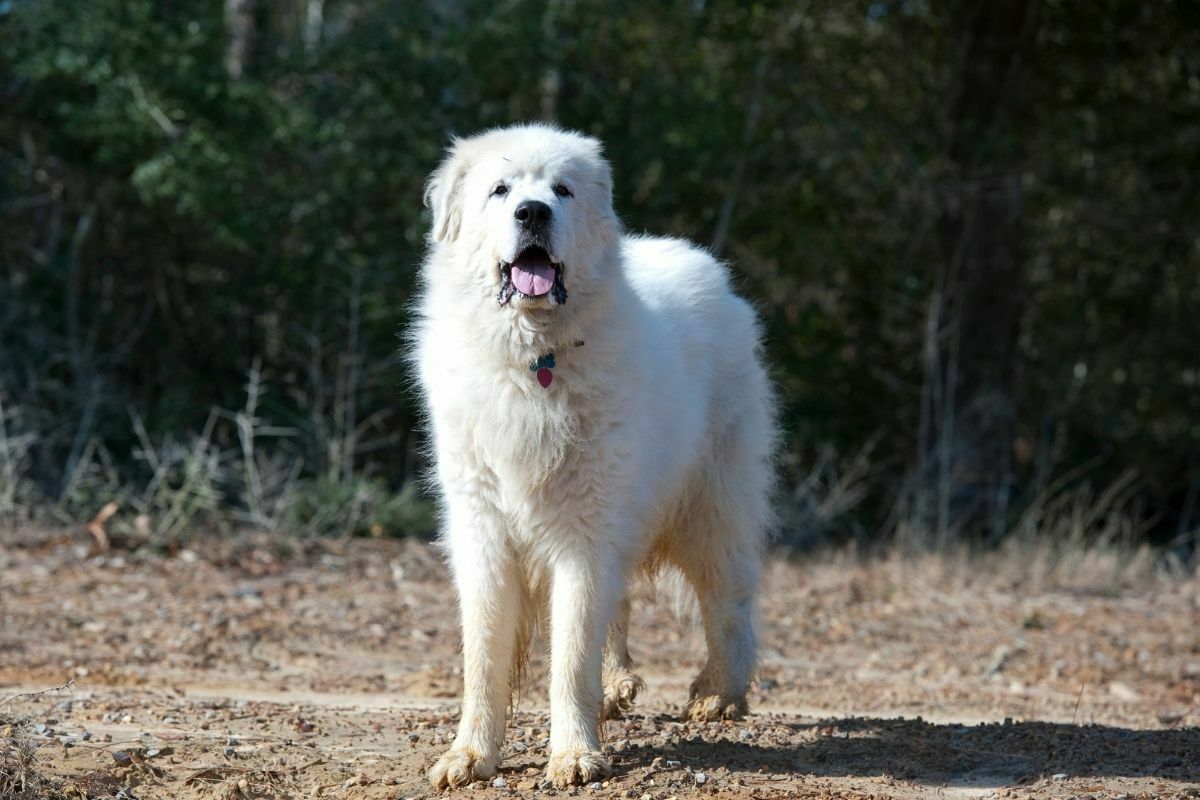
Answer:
(721, 553)
(621, 685)
(726, 592)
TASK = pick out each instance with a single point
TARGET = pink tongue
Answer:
(532, 279)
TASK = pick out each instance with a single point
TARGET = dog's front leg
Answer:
(586, 586)
(489, 591)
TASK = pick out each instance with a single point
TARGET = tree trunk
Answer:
(314, 21)
(984, 279)
(239, 22)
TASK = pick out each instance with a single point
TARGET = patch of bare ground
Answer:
(265, 668)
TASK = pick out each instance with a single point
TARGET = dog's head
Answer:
(528, 213)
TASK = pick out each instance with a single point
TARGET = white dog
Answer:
(599, 408)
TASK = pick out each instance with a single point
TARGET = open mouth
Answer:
(532, 274)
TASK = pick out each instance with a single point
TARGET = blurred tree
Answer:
(971, 229)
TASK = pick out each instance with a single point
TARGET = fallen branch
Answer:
(68, 686)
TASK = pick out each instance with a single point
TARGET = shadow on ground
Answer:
(919, 751)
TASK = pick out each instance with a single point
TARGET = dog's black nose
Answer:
(533, 215)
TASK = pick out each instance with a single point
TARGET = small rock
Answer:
(499, 783)
(1123, 691)
(700, 778)
(232, 741)
(229, 752)
(595, 786)
(122, 758)
(1059, 776)
(170, 721)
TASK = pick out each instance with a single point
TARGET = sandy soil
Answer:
(274, 669)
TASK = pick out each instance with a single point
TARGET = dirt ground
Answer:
(273, 669)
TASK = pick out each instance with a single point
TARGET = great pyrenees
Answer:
(599, 410)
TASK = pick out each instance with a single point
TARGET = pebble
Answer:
(499, 783)
(1059, 776)
(595, 786)
(232, 741)
(700, 778)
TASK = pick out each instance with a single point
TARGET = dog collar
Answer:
(543, 366)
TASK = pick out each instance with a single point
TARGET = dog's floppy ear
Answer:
(443, 194)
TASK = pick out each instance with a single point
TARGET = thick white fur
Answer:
(651, 448)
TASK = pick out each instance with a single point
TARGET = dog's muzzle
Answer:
(532, 274)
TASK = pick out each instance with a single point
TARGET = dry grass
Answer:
(20, 778)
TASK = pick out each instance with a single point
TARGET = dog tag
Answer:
(545, 376)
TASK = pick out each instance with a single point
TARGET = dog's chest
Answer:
(521, 433)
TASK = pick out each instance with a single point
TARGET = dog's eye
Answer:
(499, 190)
(561, 190)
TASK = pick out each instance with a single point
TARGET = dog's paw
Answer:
(707, 708)
(620, 690)
(577, 767)
(458, 767)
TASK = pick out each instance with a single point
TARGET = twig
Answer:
(68, 686)
(1177, 723)
(1077, 699)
